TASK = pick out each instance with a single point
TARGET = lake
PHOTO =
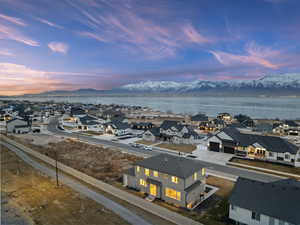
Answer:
(256, 107)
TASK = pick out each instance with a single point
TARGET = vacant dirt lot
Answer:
(32, 196)
(178, 147)
(102, 163)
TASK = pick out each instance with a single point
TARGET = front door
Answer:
(153, 189)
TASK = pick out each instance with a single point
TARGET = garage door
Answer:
(229, 150)
(214, 146)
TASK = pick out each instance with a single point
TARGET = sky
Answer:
(103, 44)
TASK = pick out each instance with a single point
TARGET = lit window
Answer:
(171, 193)
(143, 183)
(203, 172)
(175, 179)
(137, 169)
(147, 172)
(155, 173)
(195, 176)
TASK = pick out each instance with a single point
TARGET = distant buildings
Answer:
(257, 203)
(173, 179)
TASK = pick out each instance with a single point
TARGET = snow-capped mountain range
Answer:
(289, 81)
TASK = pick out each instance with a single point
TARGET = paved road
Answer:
(109, 204)
(214, 169)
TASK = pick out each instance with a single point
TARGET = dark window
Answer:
(255, 216)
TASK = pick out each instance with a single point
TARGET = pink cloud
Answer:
(5, 52)
(14, 20)
(47, 22)
(255, 55)
(193, 35)
(124, 26)
(58, 47)
(10, 33)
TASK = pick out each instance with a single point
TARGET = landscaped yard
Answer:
(178, 147)
(144, 142)
(268, 165)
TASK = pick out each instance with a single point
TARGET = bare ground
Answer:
(35, 197)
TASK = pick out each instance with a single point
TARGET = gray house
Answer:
(258, 203)
(176, 180)
(18, 126)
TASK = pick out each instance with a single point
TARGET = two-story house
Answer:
(176, 180)
(258, 203)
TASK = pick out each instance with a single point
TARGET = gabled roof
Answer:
(168, 124)
(171, 165)
(271, 143)
(199, 117)
(276, 199)
(119, 125)
(155, 131)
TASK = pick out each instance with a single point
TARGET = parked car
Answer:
(135, 145)
(149, 148)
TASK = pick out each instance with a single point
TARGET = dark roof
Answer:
(77, 111)
(119, 125)
(276, 199)
(199, 117)
(168, 124)
(16, 119)
(88, 120)
(271, 143)
(155, 131)
(172, 165)
(291, 123)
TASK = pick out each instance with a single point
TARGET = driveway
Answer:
(204, 154)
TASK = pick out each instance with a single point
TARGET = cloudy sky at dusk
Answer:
(70, 44)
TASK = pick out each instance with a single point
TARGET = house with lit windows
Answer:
(173, 179)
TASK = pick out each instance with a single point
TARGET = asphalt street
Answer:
(212, 168)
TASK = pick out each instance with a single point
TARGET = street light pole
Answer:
(56, 168)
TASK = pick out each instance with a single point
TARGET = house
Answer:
(89, 123)
(142, 126)
(18, 126)
(197, 119)
(151, 134)
(263, 128)
(287, 127)
(117, 128)
(212, 125)
(258, 203)
(175, 132)
(225, 116)
(77, 112)
(176, 180)
(252, 146)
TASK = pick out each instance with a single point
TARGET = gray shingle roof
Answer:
(276, 199)
(271, 143)
(172, 165)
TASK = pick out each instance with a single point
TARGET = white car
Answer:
(149, 148)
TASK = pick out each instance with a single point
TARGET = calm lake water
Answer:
(256, 107)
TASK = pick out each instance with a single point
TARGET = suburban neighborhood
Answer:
(172, 153)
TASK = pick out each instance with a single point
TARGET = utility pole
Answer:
(56, 168)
